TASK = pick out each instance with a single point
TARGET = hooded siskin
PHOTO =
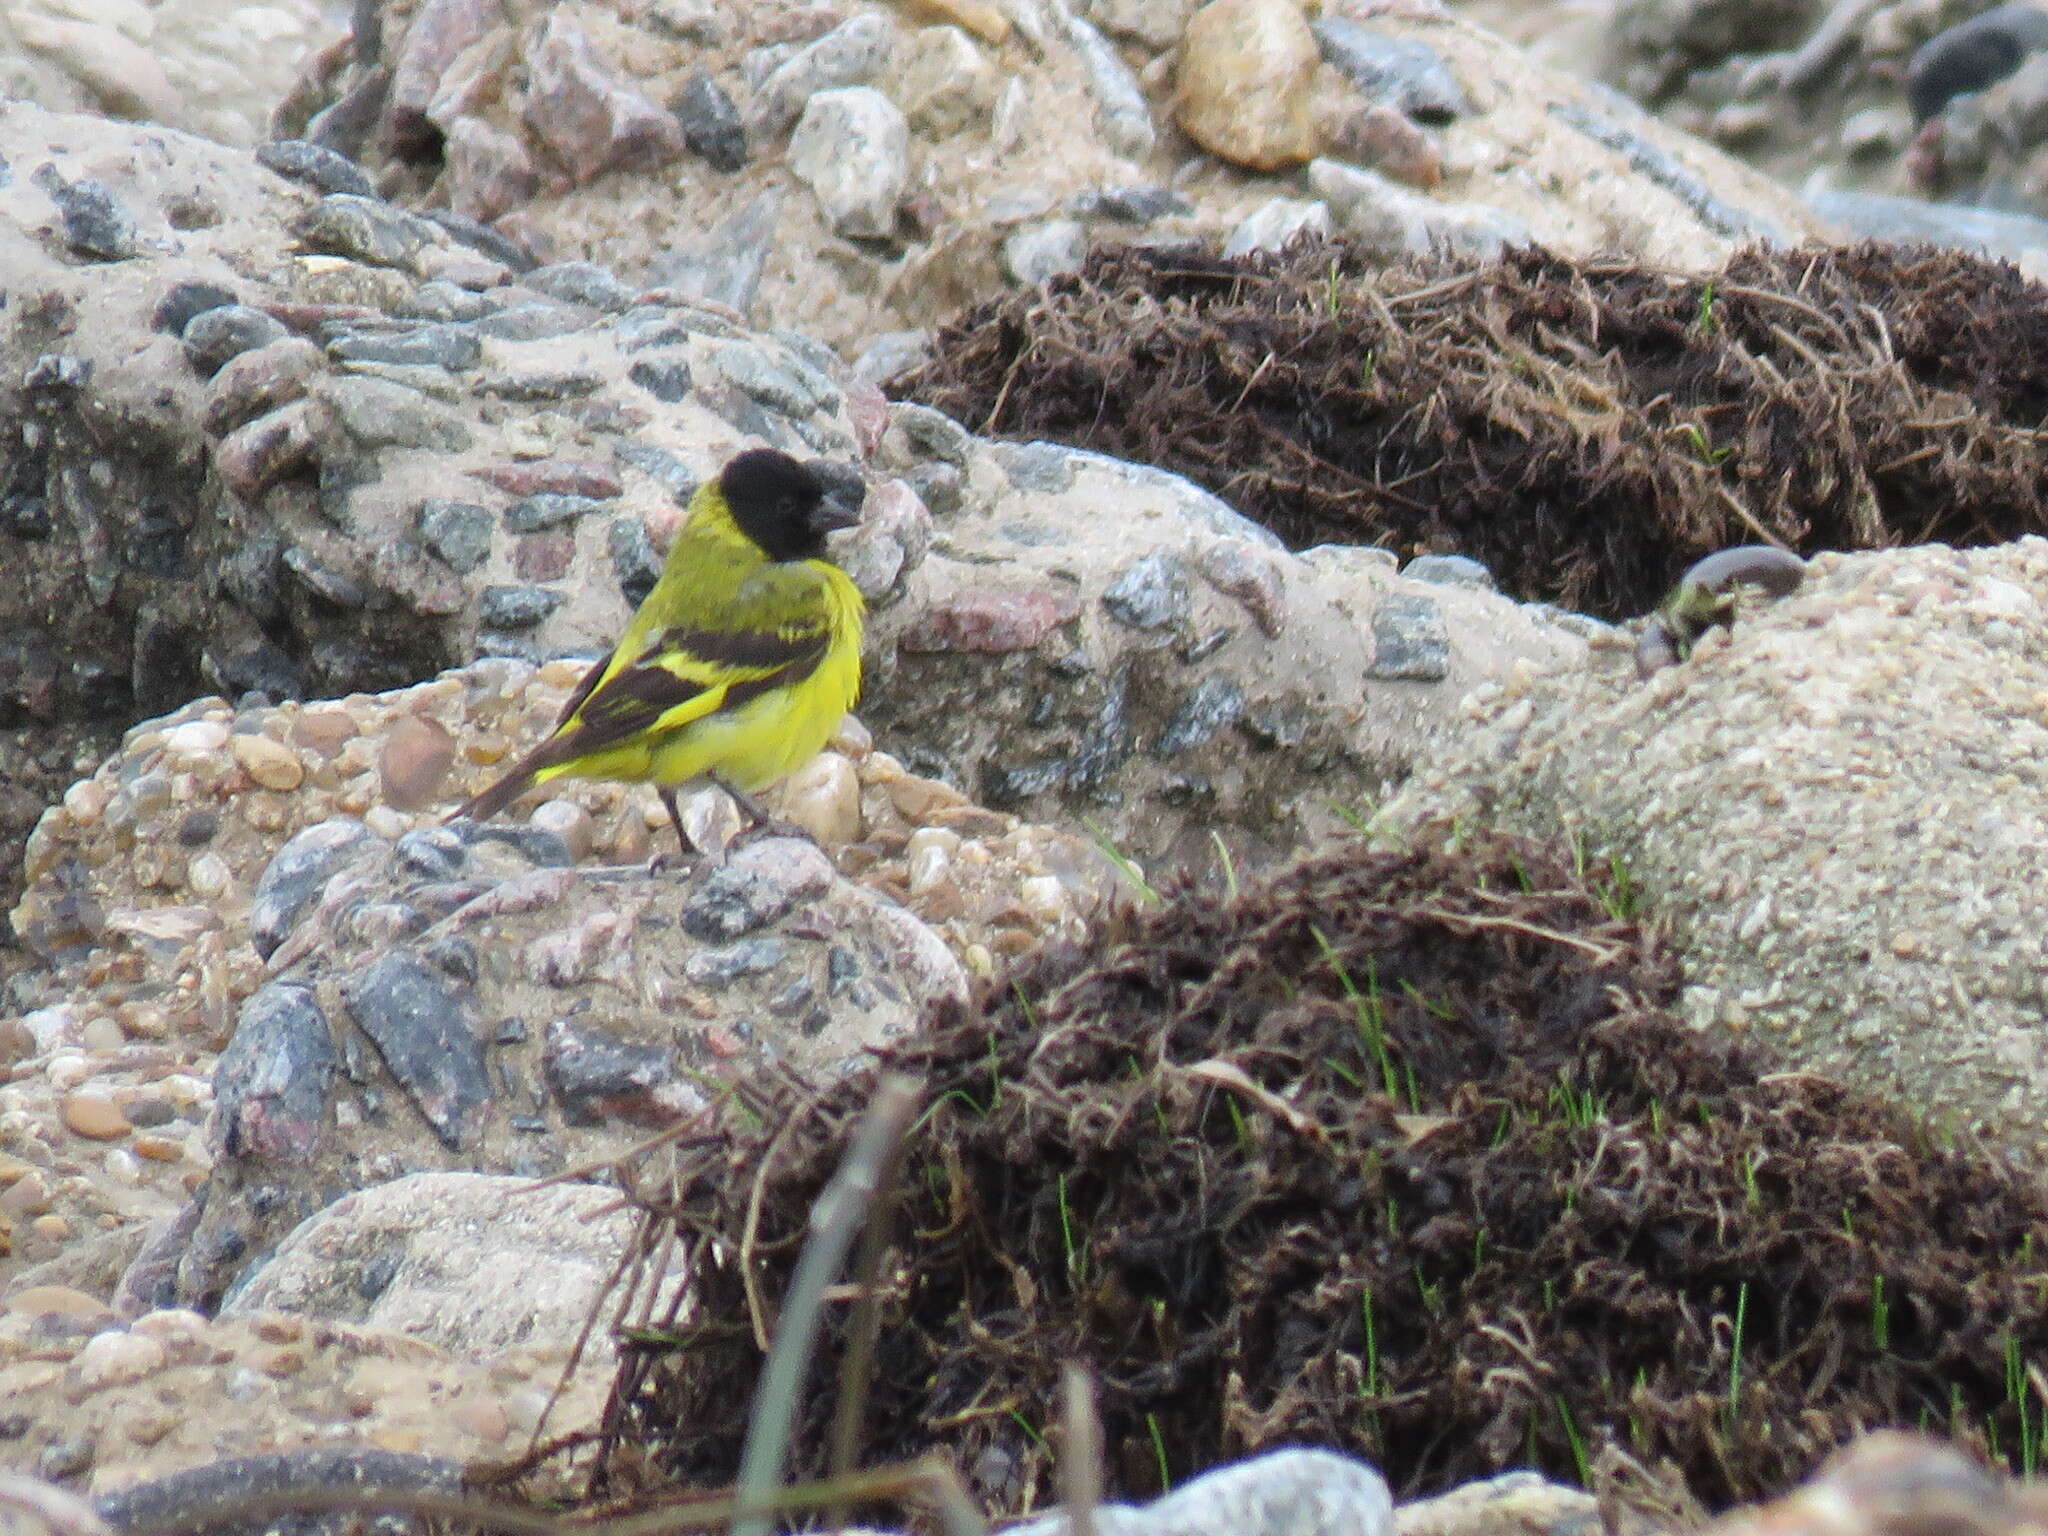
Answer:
(739, 664)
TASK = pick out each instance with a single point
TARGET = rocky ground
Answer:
(328, 463)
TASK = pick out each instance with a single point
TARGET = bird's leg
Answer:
(675, 819)
(764, 825)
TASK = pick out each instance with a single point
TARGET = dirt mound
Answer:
(1587, 429)
(1402, 1153)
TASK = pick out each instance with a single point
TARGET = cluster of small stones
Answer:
(890, 126)
(101, 1403)
(142, 881)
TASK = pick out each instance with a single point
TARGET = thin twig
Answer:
(1603, 952)
(1081, 1466)
(836, 1218)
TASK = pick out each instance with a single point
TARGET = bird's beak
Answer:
(832, 514)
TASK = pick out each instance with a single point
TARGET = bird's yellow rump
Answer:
(740, 663)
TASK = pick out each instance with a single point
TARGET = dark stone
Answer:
(253, 577)
(546, 509)
(1410, 641)
(363, 229)
(1106, 745)
(665, 378)
(1211, 706)
(939, 485)
(433, 853)
(256, 666)
(458, 531)
(721, 965)
(423, 1022)
(270, 1085)
(736, 899)
(676, 477)
(1401, 72)
(595, 1075)
(1129, 205)
(1449, 571)
(183, 301)
(95, 223)
(346, 126)
(582, 282)
(322, 580)
(215, 335)
(57, 373)
(711, 123)
(542, 384)
(649, 325)
(519, 607)
(448, 346)
(534, 322)
(323, 169)
(1152, 592)
(634, 561)
(376, 1275)
(1009, 784)
(196, 829)
(479, 236)
(297, 873)
(1035, 466)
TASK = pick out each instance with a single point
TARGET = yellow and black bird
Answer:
(738, 665)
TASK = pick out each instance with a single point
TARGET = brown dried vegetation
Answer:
(1586, 429)
(1402, 1153)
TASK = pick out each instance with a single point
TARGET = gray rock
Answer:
(95, 223)
(1283, 1493)
(296, 874)
(1047, 467)
(582, 282)
(364, 229)
(228, 330)
(892, 354)
(851, 54)
(1036, 252)
(183, 300)
(1394, 220)
(548, 509)
(1138, 204)
(755, 886)
(516, 607)
(1209, 510)
(659, 465)
(270, 1085)
(1211, 706)
(779, 388)
(1403, 72)
(315, 165)
(445, 302)
(458, 531)
(1410, 641)
(596, 1076)
(1616, 129)
(634, 561)
(665, 378)
(1271, 225)
(726, 266)
(424, 1024)
(1152, 593)
(323, 580)
(1449, 571)
(453, 347)
(377, 413)
(1121, 114)
(428, 1256)
(932, 432)
(1910, 221)
(711, 123)
(852, 149)
(534, 322)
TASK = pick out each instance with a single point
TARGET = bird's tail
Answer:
(516, 781)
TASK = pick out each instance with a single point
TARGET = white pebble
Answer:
(1044, 897)
(122, 1167)
(568, 821)
(209, 875)
(387, 822)
(115, 1358)
(67, 1069)
(928, 856)
(196, 736)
